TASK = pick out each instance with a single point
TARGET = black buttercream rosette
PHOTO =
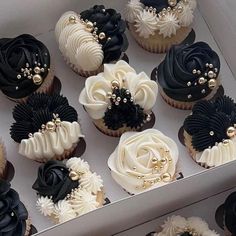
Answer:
(54, 181)
(38, 110)
(210, 122)
(189, 73)
(18, 59)
(13, 214)
(109, 22)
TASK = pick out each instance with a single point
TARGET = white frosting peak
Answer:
(77, 164)
(146, 23)
(192, 4)
(91, 182)
(45, 205)
(132, 163)
(48, 144)
(186, 16)
(133, 8)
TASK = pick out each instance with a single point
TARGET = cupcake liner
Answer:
(157, 43)
(3, 160)
(28, 227)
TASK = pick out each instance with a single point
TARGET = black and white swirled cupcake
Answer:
(91, 38)
(68, 189)
(188, 74)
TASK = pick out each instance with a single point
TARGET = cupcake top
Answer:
(45, 125)
(144, 160)
(212, 127)
(24, 65)
(189, 73)
(3, 160)
(13, 214)
(67, 189)
(119, 96)
(180, 226)
(93, 38)
(164, 16)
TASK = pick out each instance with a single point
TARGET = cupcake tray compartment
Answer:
(126, 210)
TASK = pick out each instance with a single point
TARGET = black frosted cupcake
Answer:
(210, 132)
(24, 67)
(46, 127)
(189, 74)
(90, 39)
(14, 219)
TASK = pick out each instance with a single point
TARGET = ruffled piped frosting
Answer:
(133, 9)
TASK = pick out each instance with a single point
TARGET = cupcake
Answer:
(25, 67)
(119, 99)
(188, 74)
(144, 160)
(226, 215)
(90, 39)
(210, 132)
(157, 25)
(180, 226)
(67, 189)
(46, 128)
(14, 219)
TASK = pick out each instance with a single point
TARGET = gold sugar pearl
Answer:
(102, 36)
(72, 19)
(231, 131)
(89, 26)
(37, 79)
(115, 84)
(166, 177)
(74, 175)
(212, 83)
(50, 126)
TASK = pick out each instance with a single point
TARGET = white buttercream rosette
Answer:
(94, 97)
(147, 22)
(177, 225)
(144, 160)
(81, 200)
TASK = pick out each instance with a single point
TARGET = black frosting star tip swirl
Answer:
(211, 122)
(24, 64)
(54, 181)
(189, 73)
(13, 214)
(110, 30)
(38, 110)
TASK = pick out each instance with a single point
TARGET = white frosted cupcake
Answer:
(119, 99)
(180, 226)
(157, 25)
(90, 39)
(68, 189)
(144, 160)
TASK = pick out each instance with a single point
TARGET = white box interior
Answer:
(39, 19)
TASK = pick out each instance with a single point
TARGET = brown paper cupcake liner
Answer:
(157, 43)
(28, 227)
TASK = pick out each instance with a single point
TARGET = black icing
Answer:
(38, 110)
(176, 71)
(209, 122)
(109, 22)
(54, 181)
(13, 214)
(159, 5)
(125, 113)
(14, 54)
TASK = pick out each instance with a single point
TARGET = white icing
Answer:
(192, 4)
(89, 56)
(49, 144)
(91, 182)
(210, 233)
(77, 164)
(146, 24)
(186, 16)
(143, 90)
(197, 224)
(137, 149)
(218, 154)
(94, 96)
(168, 24)
(133, 8)
(45, 205)
(84, 201)
(63, 22)
(63, 211)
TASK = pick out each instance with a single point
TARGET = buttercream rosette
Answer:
(91, 38)
(25, 67)
(180, 226)
(46, 127)
(144, 160)
(119, 99)
(156, 25)
(67, 189)
(188, 73)
(14, 218)
(210, 132)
